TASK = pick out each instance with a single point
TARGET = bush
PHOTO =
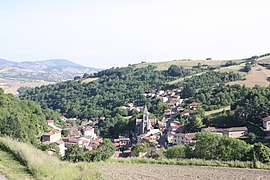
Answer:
(176, 152)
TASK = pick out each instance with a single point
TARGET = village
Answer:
(161, 134)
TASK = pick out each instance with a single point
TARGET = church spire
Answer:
(146, 125)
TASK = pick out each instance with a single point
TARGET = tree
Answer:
(139, 148)
(103, 152)
(247, 67)
(261, 152)
(216, 147)
(106, 148)
(74, 154)
(252, 137)
(177, 152)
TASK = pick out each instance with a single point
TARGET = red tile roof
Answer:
(266, 118)
(59, 142)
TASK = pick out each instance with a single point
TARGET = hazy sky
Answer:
(106, 33)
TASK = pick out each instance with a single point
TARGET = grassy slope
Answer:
(265, 59)
(217, 111)
(12, 168)
(257, 76)
(88, 80)
(42, 166)
(186, 63)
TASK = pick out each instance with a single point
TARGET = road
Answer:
(163, 139)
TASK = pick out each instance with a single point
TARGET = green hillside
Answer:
(22, 119)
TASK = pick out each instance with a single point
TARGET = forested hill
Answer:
(21, 119)
(104, 92)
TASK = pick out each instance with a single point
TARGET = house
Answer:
(266, 123)
(175, 126)
(161, 125)
(176, 100)
(169, 137)
(74, 131)
(183, 138)
(194, 106)
(167, 112)
(50, 122)
(85, 141)
(61, 145)
(161, 92)
(164, 99)
(180, 109)
(73, 141)
(185, 113)
(122, 141)
(233, 132)
(89, 132)
(52, 136)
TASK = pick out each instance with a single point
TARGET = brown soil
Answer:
(171, 172)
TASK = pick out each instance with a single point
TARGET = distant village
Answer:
(164, 133)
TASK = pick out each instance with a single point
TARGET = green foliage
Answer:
(104, 151)
(43, 166)
(178, 71)
(253, 106)
(22, 119)
(176, 152)
(216, 147)
(139, 148)
(229, 63)
(115, 87)
(247, 67)
(74, 154)
(252, 137)
(261, 152)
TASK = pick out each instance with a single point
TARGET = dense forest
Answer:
(23, 119)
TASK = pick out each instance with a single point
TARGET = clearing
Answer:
(217, 111)
(88, 80)
(165, 172)
(12, 85)
(257, 76)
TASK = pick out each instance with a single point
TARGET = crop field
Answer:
(165, 172)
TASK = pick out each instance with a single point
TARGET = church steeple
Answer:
(146, 125)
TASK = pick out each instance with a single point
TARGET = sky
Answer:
(110, 33)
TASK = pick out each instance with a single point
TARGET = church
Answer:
(144, 125)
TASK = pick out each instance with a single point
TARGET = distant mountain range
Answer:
(53, 70)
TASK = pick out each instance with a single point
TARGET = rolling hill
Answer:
(14, 75)
(54, 70)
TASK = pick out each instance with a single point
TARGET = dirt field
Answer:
(171, 172)
(12, 85)
(257, 76)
